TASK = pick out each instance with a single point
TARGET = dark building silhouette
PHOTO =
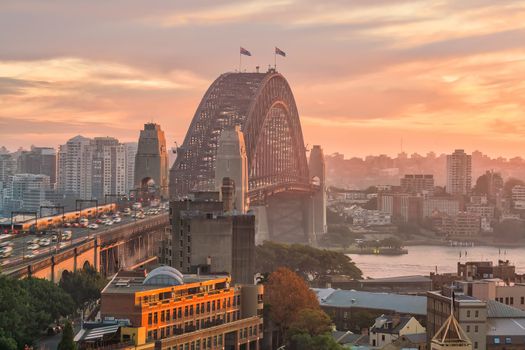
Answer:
(39, 160)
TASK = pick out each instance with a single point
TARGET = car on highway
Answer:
(66, 235)
(33, 241)
(54, 238)
(29, 256)
(75, 225)
(93, 226)
(6, 244)
(5, 253)
(117, 220)
(44, 242)
(108, 223)
(98, 221)
(33, 246)
(67, 224)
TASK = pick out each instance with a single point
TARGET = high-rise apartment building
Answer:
(7, 169)
(104, 165)
(39, 160)
(418, 183)
(459, 173)
(131, 153)
(75, 167)
(95, 168)
(29, 190)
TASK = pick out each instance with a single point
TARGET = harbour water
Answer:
(421, 260)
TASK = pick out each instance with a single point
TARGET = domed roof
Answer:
(165, 276)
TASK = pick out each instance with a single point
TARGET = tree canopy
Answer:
(509, 184)
(286, 294)
(312, 264)
(509, 230)
(27, 307)
(67, 342)
(83, 285)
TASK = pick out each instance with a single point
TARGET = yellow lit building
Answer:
(168, 310)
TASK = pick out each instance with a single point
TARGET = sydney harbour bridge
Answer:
(289, 205)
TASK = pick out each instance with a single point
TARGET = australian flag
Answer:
(245, 52)
(278, 51)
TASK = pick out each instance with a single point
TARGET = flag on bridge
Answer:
(245, 52)
(278, 51)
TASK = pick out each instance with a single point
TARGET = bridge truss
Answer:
(262, 104)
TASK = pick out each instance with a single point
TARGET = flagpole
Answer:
(274, 60)
(240, 55)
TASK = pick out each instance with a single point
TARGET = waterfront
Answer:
(421, 260)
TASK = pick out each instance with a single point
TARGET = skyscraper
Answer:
(104, 164)
(131, 153)
(39, 160)
(75, 166)
(459, 173)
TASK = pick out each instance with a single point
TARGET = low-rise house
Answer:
(388, 329)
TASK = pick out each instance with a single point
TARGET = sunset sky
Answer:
(365, 73)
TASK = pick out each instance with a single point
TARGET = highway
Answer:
(20, 243)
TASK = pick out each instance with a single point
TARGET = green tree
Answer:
(509, 230)
(67, 342)
(83, 285)
(313, 264)
(29, 306)
(371, 204)
(305, 341)
(311, 321)
(509, 184)
(391, 242)
(7, 343)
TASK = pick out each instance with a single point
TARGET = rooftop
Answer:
(496, 309)
(158, 278)
(506, 326)
(404, 304)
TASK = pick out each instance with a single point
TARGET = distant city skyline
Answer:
(439, 75)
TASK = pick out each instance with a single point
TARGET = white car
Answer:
(117, 220)
(29, 256)
(44, 242)
(33, 246)
(33, 241)
(93, 226)
(66, 235)
(6, 244)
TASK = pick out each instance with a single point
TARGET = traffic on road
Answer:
(17, 248)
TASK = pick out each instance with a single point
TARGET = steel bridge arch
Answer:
(263, 105)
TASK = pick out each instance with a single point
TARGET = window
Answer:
(162, 318)
(382, 337)
(522, 300)
(185, 311)
(475, 345)
(507, 300)
(468, 329)
(476, 313)
(468, 313)
(155, 319)
(508, 340)
(150, 319)
(496, 340)
(476, 329)
(511, 300)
